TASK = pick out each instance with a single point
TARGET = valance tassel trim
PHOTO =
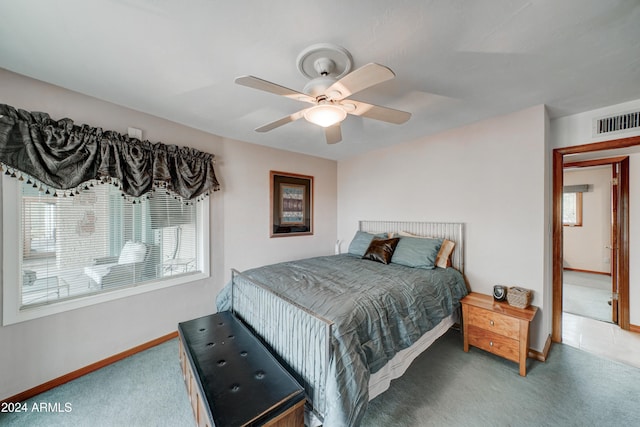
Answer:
(87, 185)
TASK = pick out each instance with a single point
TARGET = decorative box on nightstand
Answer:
(497, 327)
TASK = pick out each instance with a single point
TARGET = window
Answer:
(94, 246)
(572, 209)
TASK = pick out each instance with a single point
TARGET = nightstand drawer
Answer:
(494, 322)
(494, 343)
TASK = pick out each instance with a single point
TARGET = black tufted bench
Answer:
(232, 379)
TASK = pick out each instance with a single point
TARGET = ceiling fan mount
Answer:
(332, 83)
(324, 59)
(323, 64)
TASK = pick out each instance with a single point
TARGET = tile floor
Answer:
(601, 338)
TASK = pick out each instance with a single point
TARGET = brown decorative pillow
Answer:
(381, 250)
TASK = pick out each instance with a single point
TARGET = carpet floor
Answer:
(443, 387)
(587, 295)
(587, 302)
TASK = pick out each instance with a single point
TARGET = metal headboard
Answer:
(453, 231)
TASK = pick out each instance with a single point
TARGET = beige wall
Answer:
(489, 175)
(248, 244)
(585, 246)
(36, 351)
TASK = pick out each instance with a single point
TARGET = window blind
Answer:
(97, 240)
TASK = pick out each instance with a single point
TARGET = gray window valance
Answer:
(63, 156)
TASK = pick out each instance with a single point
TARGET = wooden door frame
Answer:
(622, 234)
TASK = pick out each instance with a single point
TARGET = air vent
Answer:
(616, 124)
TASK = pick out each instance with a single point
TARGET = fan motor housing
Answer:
(318, 86)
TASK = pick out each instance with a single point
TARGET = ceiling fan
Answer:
(328, 66)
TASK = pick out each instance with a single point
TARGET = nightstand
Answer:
(497, 327)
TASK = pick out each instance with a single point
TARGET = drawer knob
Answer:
(491, 322)
(490, 343)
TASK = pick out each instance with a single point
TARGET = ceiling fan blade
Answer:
(376, 112)
(283, 121)
(360, 79)
(260, 84)
(333, 134)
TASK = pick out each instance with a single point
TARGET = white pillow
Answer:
(132, 252)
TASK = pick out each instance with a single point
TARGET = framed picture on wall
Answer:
(291, 204)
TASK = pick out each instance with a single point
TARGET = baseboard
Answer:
(579, 270)
(88, 369)
(634, 328)
(541, 356)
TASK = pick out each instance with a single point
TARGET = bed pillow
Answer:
(443, 260)
(381, 250)
(361, 241)
(417, 252)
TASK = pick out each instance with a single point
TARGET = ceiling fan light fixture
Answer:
(325, 115)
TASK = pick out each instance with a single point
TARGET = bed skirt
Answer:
(396, 367)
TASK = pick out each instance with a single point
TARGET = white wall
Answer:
(584, 247)
(577, 130)
(490, 175)
(36, 351)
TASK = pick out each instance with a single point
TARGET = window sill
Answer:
(30, 312)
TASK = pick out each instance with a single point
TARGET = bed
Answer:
(346, 326)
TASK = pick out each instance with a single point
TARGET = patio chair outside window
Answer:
(121, 270)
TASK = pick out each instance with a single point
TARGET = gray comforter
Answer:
(377, 310)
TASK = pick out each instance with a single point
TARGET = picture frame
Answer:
(291, 197)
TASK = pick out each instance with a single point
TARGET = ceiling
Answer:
(456, 61)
